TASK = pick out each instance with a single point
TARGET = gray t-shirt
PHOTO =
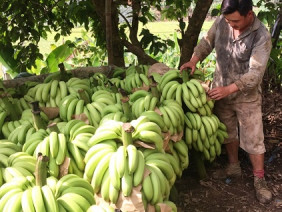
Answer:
(241, 61)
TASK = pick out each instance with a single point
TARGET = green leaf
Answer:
(57, 37)
(57, 56)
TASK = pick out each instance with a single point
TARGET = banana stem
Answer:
(83, 96)
(127, 130)
(41, 170)
(153, 86)
(38, 122)
(185, 76)
(64, 76)
(126, 107)
(201, 169)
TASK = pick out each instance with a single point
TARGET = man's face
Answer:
(238, 22)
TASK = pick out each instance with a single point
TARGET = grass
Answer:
(162, 29)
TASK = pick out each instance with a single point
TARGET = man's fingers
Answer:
(192, 70)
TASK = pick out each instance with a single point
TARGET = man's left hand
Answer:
(222, 92)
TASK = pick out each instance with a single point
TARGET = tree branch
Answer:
(143, 58)
(191, 35)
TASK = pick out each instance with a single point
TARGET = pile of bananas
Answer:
(131, 135)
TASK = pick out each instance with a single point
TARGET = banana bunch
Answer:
(19, 164)
(153, 116)
(126, 170)
(134, 81)
(173, 116)
(11, 126)
(97, 163)
(137, 69)
(20, 103)
(32, 141)
(71, 105)
(73, 193)
(172, 90)
(101, 208)
(147, 103)
(48, 94)
(118, 72)
(19, 134)
(97, 159)
(75, 84)
(156, 186)
(21, 194)
(179, 150)
(103, 102)
(195, 98)
(148, 132)
(78, 146)
(7, 148)
(78, 131)
(3, 115)
(99, 79)
(171, 75)
(108, 130)
(201, 133)
(221, 133)
(133, 97)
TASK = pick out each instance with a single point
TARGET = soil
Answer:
(238, 194)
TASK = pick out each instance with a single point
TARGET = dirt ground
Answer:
(238, 195)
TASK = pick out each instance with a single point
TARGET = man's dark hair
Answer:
(231, 6)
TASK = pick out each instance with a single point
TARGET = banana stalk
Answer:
(201, 169)
(41, 170)
(38, 122)
(154, 90)
(83, 96)
(185, 76)
(127, 130)
(126, 108)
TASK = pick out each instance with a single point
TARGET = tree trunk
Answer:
(117, 47)
(190, 37)
(109, 38)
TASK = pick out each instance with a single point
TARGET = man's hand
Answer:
(222, 92)
(189, 64)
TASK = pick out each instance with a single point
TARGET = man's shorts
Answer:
(244, 123)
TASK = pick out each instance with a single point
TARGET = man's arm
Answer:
(250, 80)
(203, 49)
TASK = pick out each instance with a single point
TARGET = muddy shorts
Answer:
(244, 123)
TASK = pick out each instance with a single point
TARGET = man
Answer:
(242, 45)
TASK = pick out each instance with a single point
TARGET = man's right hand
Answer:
(190, 65)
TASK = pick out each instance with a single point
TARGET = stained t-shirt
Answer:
(241, 61)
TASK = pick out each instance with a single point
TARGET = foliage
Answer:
(268, 14)
(23, 23)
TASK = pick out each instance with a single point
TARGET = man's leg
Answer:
(257, 161)
(227, 115)
(263, 193)
(232, 151)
